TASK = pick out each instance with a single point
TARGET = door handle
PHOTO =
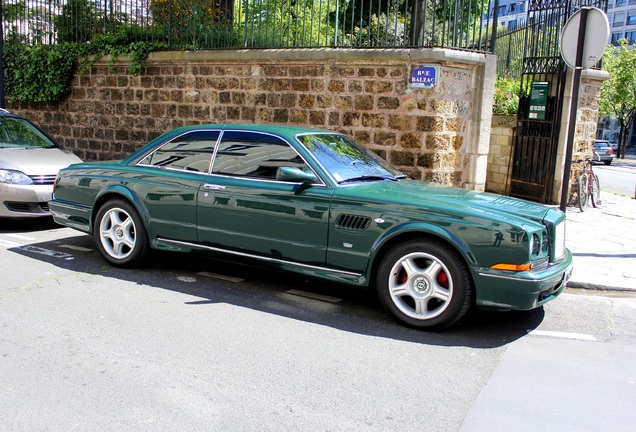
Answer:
(213, 187)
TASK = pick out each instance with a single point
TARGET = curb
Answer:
(597, 287)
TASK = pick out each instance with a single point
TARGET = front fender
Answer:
(412, 230)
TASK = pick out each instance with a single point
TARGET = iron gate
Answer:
(538, 126)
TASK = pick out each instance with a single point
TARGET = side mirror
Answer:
(295, 175)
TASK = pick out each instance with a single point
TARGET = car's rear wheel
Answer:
(120, 234)
(424, 284)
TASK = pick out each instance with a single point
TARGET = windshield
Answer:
(19, 133)
(346, 160)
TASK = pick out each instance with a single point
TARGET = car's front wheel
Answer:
(424, 284)
(120, 234)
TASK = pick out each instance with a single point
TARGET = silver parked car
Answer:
(603, 152)
(29, 162)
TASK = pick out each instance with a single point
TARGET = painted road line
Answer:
(9, 244)
(47, 252)
(77, 248)
(314, 296)
(21, 237)
(562, 335)
(222, 277)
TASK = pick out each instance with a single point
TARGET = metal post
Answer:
(1, 59)
(573, 109)
(495, 18)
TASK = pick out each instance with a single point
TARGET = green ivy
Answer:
(40, 73)
(125, 41)
(43, 73)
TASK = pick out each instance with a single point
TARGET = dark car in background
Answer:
(316, 202)
(29, 162)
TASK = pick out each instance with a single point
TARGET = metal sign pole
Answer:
(573, 110)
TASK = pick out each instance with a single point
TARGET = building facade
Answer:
(511, 14)
(622, 19)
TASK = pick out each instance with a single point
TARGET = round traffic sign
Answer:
(597, 31)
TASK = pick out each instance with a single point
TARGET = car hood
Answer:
(418, 193)
(37, 161)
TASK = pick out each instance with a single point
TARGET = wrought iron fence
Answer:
(224, 24)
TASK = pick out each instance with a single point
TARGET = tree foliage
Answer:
(506, 96)
(618, 93)
(77, 22)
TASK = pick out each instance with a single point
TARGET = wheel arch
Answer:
(121, 192)
(410, 233)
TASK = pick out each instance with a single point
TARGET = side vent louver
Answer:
(353, 223)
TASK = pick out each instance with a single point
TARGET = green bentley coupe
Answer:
(315, 202)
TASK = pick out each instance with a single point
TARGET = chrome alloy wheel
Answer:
(420, 286)
(117, 233)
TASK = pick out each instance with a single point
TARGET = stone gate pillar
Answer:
(586, 123)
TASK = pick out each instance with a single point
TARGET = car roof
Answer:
(7, 113)
(260, 127)
(285, 131)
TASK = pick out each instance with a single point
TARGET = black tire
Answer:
(120, 234)
(608, 162)
(582, 189)
(595, 192)
(425, 284)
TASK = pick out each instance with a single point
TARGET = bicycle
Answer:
(588, 186)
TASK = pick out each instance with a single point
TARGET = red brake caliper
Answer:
(442, 279)
(403, 276)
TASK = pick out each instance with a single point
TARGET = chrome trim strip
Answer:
(262, 180)
(67, 205)
(258, 257)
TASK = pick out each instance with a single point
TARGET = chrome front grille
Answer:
(47, 179)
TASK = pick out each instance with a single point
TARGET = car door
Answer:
(168, 180)
(244, 208)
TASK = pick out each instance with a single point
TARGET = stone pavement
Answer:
(603, 241)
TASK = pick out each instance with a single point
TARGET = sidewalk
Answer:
(603, 243)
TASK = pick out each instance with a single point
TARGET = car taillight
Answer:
(610, 151)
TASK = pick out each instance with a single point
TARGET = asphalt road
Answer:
(618, 178)
(193, 344)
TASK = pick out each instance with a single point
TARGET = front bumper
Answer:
(24, 201)
(504, 290)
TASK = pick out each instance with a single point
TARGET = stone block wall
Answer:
(500, 153)
(439, 134)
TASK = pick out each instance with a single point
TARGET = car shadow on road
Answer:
(27, 225)
(280, 293)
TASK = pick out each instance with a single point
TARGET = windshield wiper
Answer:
(367, 178)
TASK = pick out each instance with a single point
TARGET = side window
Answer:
(189, 152)
(256, 155)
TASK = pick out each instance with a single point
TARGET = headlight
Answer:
(559, 241)
(14, 177)
(539, 245)
(536, 245)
